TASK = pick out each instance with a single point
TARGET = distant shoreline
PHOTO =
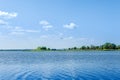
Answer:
(52, 50)
(104, 47)
(16, 49)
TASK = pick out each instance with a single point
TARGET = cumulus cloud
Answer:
(70, 25)
(2, 22)
(7, 15)
(45, 25)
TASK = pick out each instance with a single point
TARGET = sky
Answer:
(26, 24)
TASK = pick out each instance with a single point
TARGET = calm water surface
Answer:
(85, 65)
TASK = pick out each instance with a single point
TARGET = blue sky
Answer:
(58, 23)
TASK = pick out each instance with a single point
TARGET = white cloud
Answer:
(45, 25)
(43, 36)
(20, 30)
(44, 22)
(7, 15)
(2, 22)
(70, 25)
(60, 34)
(31, 31)
(17, 33)
(68, 38)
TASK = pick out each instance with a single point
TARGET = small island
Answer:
(105, 47)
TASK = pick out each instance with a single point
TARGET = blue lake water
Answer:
(84, 65)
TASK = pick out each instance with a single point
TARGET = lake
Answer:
(60, 65)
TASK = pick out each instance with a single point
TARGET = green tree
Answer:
(38, 48)
(87, 47)
(83, 47)
(75, 48)
(118, 47)
(97, 47)
(48, 48)
(109, 46)
(41, 48)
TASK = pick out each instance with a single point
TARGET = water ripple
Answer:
(87, 75)
(76, 66)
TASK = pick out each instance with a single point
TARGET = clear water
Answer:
(85, 65)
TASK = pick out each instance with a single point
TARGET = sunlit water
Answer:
(84, 65)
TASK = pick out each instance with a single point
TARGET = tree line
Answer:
(106, 46)
(42, 48)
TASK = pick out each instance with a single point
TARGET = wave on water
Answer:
(59, 73)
